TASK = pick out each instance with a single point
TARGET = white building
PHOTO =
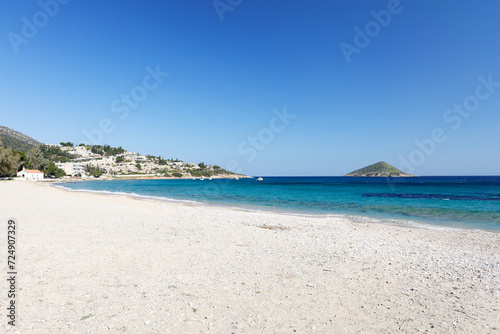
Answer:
(71, 168)
(30, 174)
(67, 167)
(78, 168)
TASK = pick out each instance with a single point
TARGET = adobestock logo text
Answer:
(363, 36)
(30, 27)
(265, 136)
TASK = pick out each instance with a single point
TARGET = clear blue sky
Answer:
(227, 76)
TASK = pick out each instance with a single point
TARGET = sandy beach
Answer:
(92, 263)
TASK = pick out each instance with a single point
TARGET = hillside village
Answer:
(28, 159)
(105, 162)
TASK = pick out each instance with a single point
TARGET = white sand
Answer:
(92, 263)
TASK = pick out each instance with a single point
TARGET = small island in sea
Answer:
(379, 169)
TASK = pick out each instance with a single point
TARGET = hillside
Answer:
(96, 160)
(380, 169)
(16, 140)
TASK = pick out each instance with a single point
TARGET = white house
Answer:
(30, 174)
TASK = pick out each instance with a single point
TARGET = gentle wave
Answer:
(131, 194)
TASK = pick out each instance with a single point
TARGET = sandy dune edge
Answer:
(92, 263)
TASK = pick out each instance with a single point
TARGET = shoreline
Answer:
(107, 263)
(351, 217)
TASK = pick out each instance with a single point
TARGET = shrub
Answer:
(195, 173)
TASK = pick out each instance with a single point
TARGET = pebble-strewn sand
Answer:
(92, 263)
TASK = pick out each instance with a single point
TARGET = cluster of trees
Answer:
(160, 160)
(197, 173)
(12, 161)
(113, 150)
(55, 154)
(172, 160)
(204, 170)
(94, 171)
(106, 150)
(35, 159)
(53, 171)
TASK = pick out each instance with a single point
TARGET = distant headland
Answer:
(379, 169)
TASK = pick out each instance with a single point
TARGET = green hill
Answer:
(380, 169)
(16, 140)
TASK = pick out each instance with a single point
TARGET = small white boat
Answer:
(202, 178)
(236, 178)
(259, 179)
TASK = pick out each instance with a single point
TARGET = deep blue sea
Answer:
(471, 202)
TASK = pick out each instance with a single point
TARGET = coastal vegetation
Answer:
(106, 150)
(94, 171)
(208, 171)
(35, 159)
(53, 171)
(10, 160)
(55, 154)
(196, 173)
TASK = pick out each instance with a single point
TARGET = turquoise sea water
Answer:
(464, 201)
